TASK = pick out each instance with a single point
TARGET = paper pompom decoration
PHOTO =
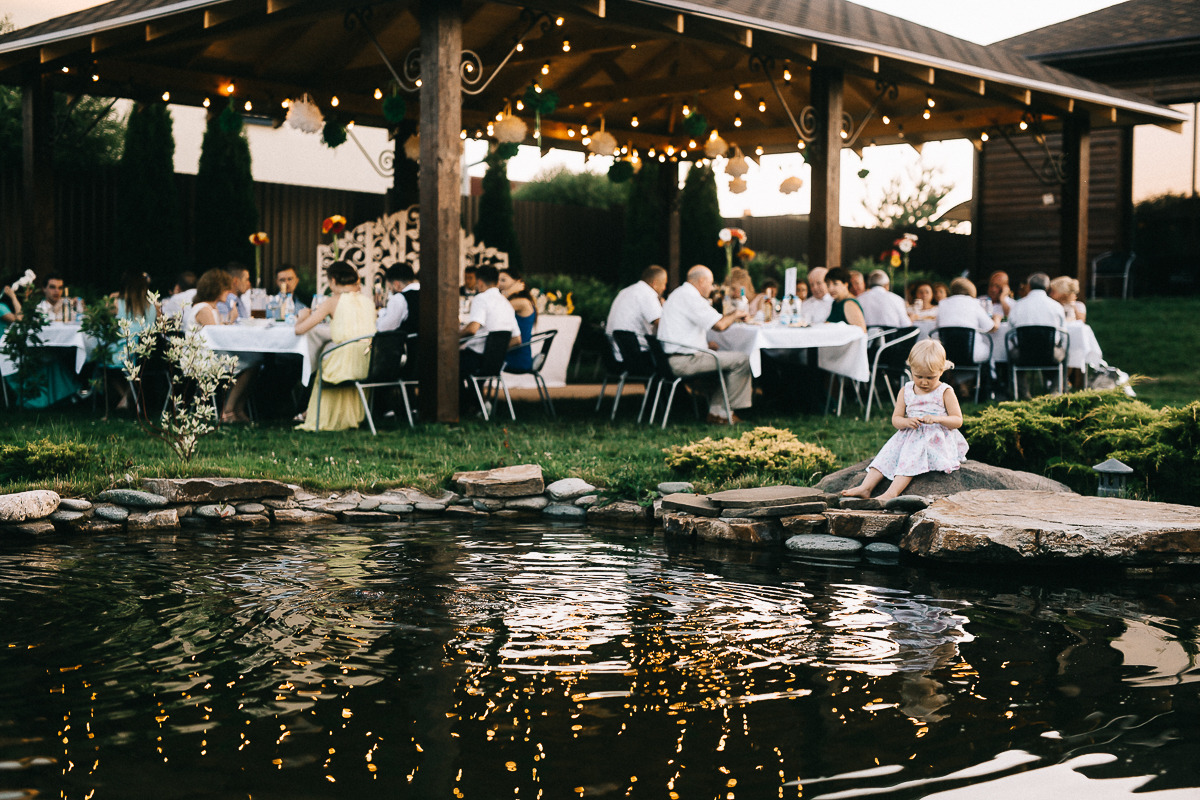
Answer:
(394, 108)
(412, 147)
(695, 124)
(603, 143)
(303, 115)
(620, 171)
(510, 129)
(737, 185)
(715, 146)
(791, 185)
(737, 166)
(333, 134)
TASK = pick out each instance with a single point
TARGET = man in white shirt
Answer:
(1037, 308)
(638, 306)
(880, 305)
(687, 317)
(960, 310)
(239, 296)
(999, 298)
(402, 309)
(181, 294)
(52, 305)
(490, 311)
(820, 302)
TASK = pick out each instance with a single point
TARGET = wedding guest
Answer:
(819, 302)
(845, 308)
(403, 309)
(920, 303)
(234, 304)
(638, 306)
(211, 290)
(469, 288)
(53, 291)
(132, 303)
(513, 288)
(940, 292)
(961, 310)
(1065, 290)
(857, 284)
(182, 293)
(490, 311)
(999, 297)
(288, 281)
(880, 305)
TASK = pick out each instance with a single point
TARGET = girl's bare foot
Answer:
(857, 491)
(888, 495)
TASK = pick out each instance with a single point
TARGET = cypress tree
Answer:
(495, 226)
(151, 238)
(226, 213)
(406, 190)
(646, 224)
(700, 221)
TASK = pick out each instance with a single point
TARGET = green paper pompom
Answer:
(333, 134)
(230, 120)
(394, 108)
(543, 102)
(620, 171)
(503, 151)
(862, 173)
(696, 124)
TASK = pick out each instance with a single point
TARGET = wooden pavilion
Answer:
(810, 75)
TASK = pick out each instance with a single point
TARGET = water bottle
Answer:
(787, 313)
(289, 310)
(273, 308)
(742, 304)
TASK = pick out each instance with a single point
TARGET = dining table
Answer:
(554, 371)
(66, 335)
(841, 348)
(269, 336)
(1083, 349)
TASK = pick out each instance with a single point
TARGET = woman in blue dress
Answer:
(513, 287)
(131, 303)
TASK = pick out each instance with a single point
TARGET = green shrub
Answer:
(590, 296)
(767, 265)
(43, 458)
(1063, 436)
(772, 452)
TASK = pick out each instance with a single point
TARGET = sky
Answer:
(302, 159)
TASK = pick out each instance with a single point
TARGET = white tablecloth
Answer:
(842, 348)
(270, 338)
(1082, 348)
(554, 372)
(59, 334)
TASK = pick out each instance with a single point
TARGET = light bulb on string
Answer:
(378, 93)
(737, 122)
(566, 45)
(687, 110)
(166, 96)
(925, 114)
(333, 101)
(737, 93)
(546, 68)
(633, 121)
(886, 120)
(983, 137)
(762, 104)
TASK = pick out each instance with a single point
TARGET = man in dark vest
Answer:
(403, 308)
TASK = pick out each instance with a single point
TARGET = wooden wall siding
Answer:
(1018, 233)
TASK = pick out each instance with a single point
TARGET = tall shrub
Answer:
(148, 202)
(646, 223)
(495, 227)
(226, 213)
(700, 221)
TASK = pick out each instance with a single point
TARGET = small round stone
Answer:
(823, 544)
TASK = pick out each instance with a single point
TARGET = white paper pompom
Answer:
(737, 185)
(603, 143)
(792, 184)
(510, 129)
(737, 166)
(412, 147)
(303, 115)
(715, 146)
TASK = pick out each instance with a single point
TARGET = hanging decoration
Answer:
(333, 226)
(303, 115)
(333, 134)
(412, 147)
(620, 171)
(394, 106)
(737, 166)
(737, 185)
(502, 151)
(715, 146)
(541, 101)
(230, 120)
(864, 172)
(509, 128)
(603, 143)
(791, 184)
(695, 124)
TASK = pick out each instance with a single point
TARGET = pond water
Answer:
(491, 661)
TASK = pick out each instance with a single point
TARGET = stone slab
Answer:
(869, 525)
(94, 525)
(247, 521)
(860, 504)
(487, 504)
(621, 514)
(969, 475)
(215, 490)
(74, 504)
(300, 516)
(514, 481)
(587, 500)
(675, 487)
(535, 503)
(251, 508)
(62, 516)
(31, 505)
(990, 526)
(396, 508)
(215, 511)
(562, 511)
(817, 544)
(134, 498)
(370, 503)
(696, 504)
(805, 523)
(908, 503)
(153, 520)
(815, 507)
(111, 513)
(765, 496)
(433, 508)
(366, 517)
(33, 527)
(569, 489)
(286, 502)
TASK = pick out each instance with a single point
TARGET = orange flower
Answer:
(259, 239)
(335, 224)
(746, 254)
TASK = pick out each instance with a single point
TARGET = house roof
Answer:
(1129, 25)
(632, 63)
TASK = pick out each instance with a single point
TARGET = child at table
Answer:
(927, 418)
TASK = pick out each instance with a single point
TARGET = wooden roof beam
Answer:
(170, 25)
(661, 87)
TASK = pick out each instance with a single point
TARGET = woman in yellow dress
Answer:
(353, 315)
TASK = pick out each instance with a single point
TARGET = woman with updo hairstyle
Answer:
(353, 315)
(512, 286)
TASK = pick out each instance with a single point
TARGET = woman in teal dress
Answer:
(131, 303)
(513, 287)
(845, 308)
(51, 381)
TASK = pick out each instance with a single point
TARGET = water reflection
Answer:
(554, 662)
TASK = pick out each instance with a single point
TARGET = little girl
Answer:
(927, 418)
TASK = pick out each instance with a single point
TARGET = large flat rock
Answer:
(32, 505)
(514, 481)
(765, 496)
(987, 526)
(215, 490)
(970, 475)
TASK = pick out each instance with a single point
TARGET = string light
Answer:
(378, 94)
(520, 105)
(691, 144)
(284, 104)
(566, 45)
(787, 72)
(583, 129)
(633, 121)
(95, 77)
(66, 70)
(206, 102)
(758, 151)
(230, 88)
(799, 144)
(166, 96)
(737, 122)
(546, 68)
(926, 114)
(333, 101)
(249, 106)
(687, 110)
(886, 119)
(559, 22)
(571, 133)
(929, 101)
(520, 47)
(1024, 125)
(463, 134)
(418, 82)
(762, 104)
(983, 137)
(737, 93)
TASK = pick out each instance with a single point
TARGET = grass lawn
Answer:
(1158, 338)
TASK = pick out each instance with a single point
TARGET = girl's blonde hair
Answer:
(930, 357)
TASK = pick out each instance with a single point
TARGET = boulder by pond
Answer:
(971, 475)
(985, 526)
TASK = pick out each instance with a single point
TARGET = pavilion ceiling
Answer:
(630, 64)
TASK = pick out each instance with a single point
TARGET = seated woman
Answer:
(211, 290)
(920, 301)
(845, 307)
(353, 316)
(131, 303)
(738, 284)
(1065, 290)
(962, 310)
(940, 293)
(53, 379)
(513, 288)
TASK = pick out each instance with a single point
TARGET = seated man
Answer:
(490, 311)
(181, 294)
(469, 287)
(687, 317)
(239, 277)
(820, 302)
(1038, 308)
(880, 305)
(402, 311)
(288, 280)
(638, 306)
(53, 304)
(999, 298)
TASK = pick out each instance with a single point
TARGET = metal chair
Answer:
(665, 372)
(639, 366)
(409, 375)
(542, 341)
(387, 359)
(1036, 348)
(1111, 266)
(614, 370)
(959, 344)
(487, 379)
(891, 358)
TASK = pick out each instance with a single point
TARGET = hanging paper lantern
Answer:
(412, 147)
(620, 171)
(603, 143)
(715, 146)
(737, 166)
(695, 124)
(303, 115)
(737, 185)
(791, 184)
(510, 129)
(394, 108)
(334, 134)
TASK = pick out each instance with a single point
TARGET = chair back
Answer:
(547, 339)
(1033, 346)
(660, 359)
(388, 355)
(608, 355)
(411, 370)
(959, 344)
(895, 347)
(635, 360)
(495, 348)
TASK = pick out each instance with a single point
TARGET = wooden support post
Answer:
(441, 121)
(37, 229)
(825, 227)
(1077, 160)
